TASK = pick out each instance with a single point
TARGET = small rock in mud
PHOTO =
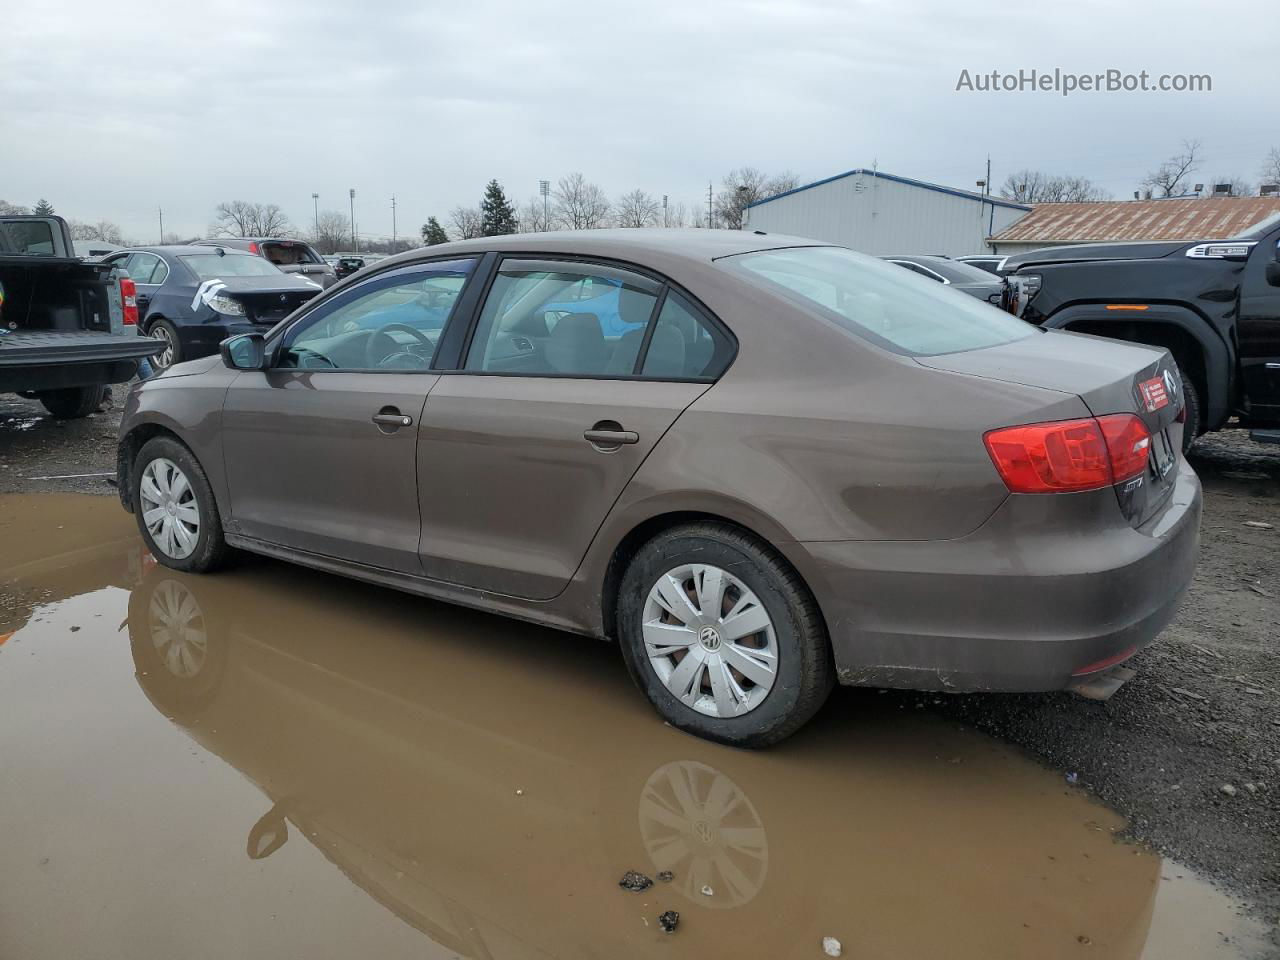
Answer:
(1257, 525)
(635, 881)
(707, 891)
(666, 876)
(831, 947)
(668, 920)
(1228, 789)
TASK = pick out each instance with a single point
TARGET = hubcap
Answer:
(169, 510)
(710, 640)
(165, 357)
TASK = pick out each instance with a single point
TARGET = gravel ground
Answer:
(1189, 750)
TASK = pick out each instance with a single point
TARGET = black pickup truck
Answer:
(1214, 304)
(68, 327)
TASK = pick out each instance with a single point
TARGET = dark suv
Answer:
(291, 256)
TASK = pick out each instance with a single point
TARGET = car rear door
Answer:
(320, 449)
(524, 450)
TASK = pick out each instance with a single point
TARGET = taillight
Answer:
(253, 248)
(129, 297)
(1068, 456)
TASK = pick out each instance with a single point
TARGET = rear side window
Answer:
(881, 302)
(684, 346)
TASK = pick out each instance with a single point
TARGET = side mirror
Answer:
(1273, 273)
(247, 351)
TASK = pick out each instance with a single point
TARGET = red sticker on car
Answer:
(1154, 395)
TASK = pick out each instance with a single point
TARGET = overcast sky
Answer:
(113, 109)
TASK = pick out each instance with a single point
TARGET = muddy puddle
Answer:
(274, 763)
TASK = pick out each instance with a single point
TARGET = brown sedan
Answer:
(762, 465)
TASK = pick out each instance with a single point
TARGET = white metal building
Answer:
(879, 213)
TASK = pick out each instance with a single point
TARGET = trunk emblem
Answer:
(1155, 392)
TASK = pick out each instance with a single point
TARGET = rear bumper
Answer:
(1022, 604)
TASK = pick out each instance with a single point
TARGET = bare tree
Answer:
(8, 209)
(1237, 186)
(637, 209)
(103, 230)
(534, 216)
(1168, 179)
(331, 231)
(467, 222)
(1033, 186)
(241, 218)
(743, 187)
(580, 205)
(677, 215)
(1270, 172)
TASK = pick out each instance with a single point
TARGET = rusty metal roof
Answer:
(1211, 218)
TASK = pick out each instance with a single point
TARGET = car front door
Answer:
(320, 448)
(523, 452)
(1260, 330)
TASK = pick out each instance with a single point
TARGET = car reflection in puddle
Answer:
(488, 782)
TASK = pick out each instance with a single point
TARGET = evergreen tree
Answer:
(44, 208)
(496, 215)
(433, 233)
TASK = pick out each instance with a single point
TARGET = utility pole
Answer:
(355, 246)
(665, 221)
(315, 199)
(393, 223)
(991, 221)
(544, 187)
(160, 210)
(708, 204)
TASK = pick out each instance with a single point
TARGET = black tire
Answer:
(166, 331)
(211, 550)
(805, 672)
(72, 403)
(1193, 426)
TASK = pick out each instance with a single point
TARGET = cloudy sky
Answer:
(111, 110)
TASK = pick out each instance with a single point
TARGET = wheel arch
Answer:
(127, 454)
(1199, 352)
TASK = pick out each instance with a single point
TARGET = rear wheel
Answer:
(177, 514)
(166, 333)
(72, 403)
(722, 636)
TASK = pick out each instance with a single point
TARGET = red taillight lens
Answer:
(129, 297)
(253, 248)
(1128, 443)
(1069, 455)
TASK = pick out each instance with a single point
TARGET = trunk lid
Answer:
(271, 301)
(1110, 376)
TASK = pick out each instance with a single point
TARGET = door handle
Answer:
(392, 420)
(1273, 366)
(611, 437)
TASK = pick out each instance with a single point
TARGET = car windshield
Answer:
(881, 302)
(212, 266)
(288, 253)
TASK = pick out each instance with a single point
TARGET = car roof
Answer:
(621, 244)
(177, 249)
(216, 240)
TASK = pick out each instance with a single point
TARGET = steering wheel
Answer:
(376, 351)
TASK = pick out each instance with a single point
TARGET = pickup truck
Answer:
(68, 327)
(1213, 304)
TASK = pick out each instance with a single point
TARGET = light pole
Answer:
(393, 223)
(355, 246)
(315, 199)
(665, 222)
(544, 187)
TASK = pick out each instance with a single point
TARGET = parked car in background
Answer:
(193, 297)
(743, 489)
(345, 266)
(68, 327)
(990, 262)
(291, 256)
(1213, 304)
(964, 277)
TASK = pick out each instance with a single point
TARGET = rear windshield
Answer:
(289, 254)
(210, 266)
(881, 302)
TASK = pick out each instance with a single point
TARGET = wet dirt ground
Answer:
(273, 762)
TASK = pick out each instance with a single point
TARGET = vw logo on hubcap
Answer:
(709, 637)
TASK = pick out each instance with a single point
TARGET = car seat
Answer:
(577, 345)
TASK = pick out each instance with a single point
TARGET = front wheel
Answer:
(177, 514)
(722, 636)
